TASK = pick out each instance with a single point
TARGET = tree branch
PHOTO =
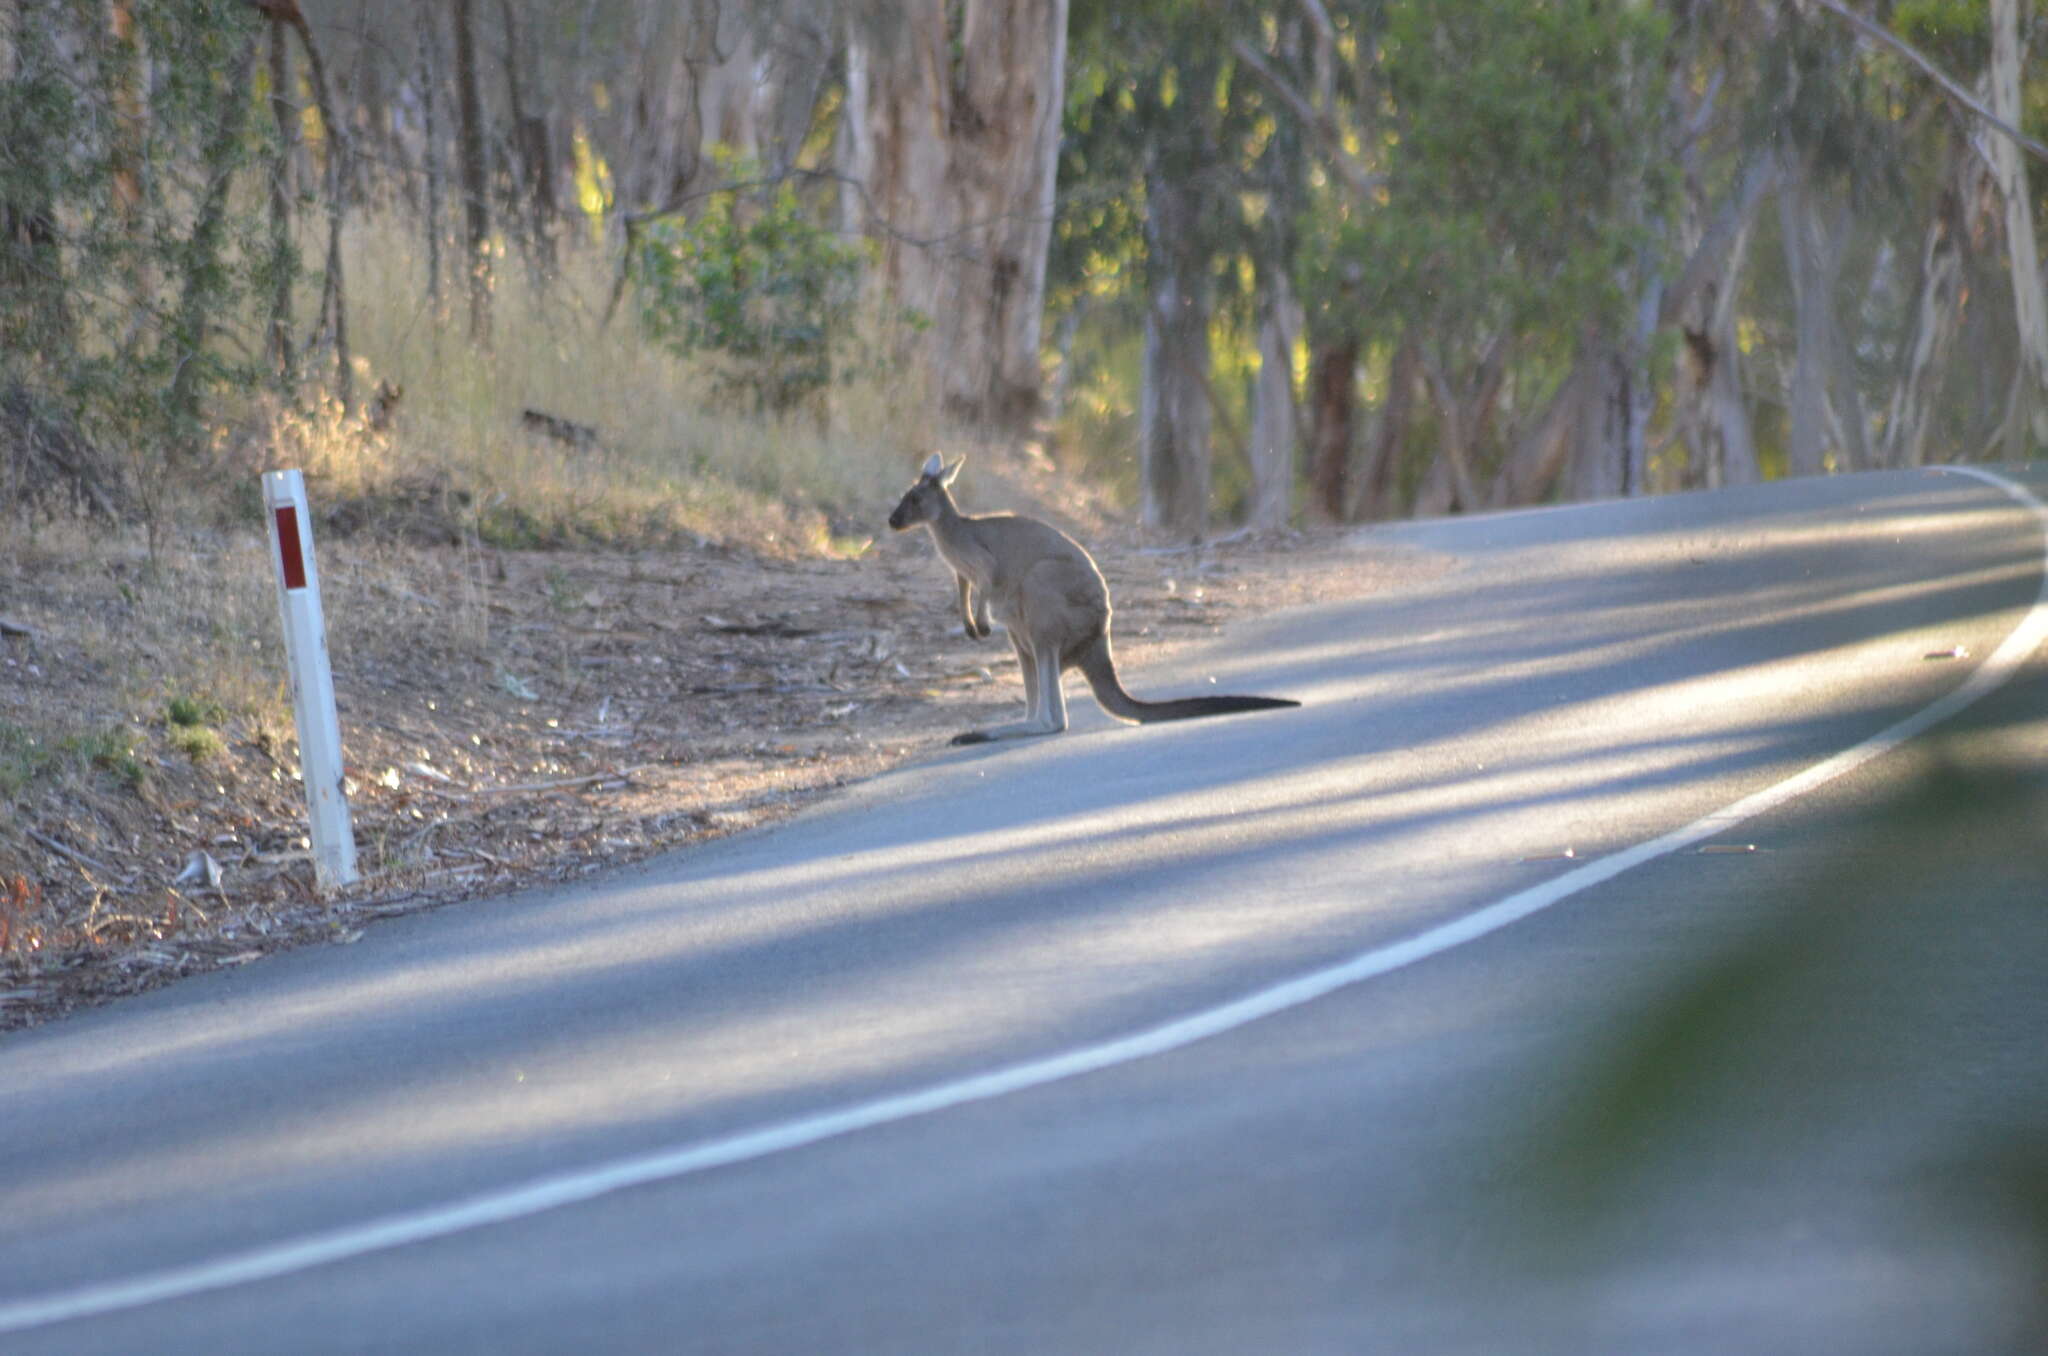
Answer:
(1727, 225)
(1355, 175)
(1885, 38)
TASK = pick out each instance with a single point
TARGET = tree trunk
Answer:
(430, 151)
(1372, 493)
(1937, 308)
(795, 68)
(1173, 401)
(278, 336)
(532, 200)
(333, 295)
(35, 304)
(2027, 430)
(663, 139)
(1333, 405)
(204, 274)
(127, 72)
(476, 202)
(1711, 418)
(1540, 453)
(1709, 412)
(1274, 424)
(1462, 418)
(1732, 458)
(952, 127)
(1819, 439)
(730, 71)
(1615, 400)
(1618, 397)
(757, 78)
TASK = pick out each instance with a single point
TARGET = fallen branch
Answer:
(563, 785)
(73, 853)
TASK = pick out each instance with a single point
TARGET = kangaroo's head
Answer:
(926, 500)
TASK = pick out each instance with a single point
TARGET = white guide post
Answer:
(305, 648)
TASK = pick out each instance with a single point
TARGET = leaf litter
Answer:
(509, 719)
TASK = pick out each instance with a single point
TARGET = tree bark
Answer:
(1615, 397)
(1618, 396)
(2028, 428)
(1959, 213)
(1710, 415)
(1462, 419)
(1274, 422)
(952, 129)
(278, 336)
(201, 284)
(333, 295)
(1712, 419)
(1829, 428)
(1173, 402)
(476, 200)
(795, 65)
(749, 83)
(1333, 407)
(1538, 458)
(1811, 266)
(35, 303)
(1372, 492)
(430, 149)
(532, 200)
(663, 140)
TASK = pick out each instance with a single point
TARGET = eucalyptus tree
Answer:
(1182, 180)
(951, 137)
(1958, 224)
(2026, 423)
(1513, 232)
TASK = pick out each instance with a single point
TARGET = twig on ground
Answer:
(73, 853)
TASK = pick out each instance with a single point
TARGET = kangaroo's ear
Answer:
(933, 466)
(951, 471)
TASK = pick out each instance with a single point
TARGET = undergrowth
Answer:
(625, 442)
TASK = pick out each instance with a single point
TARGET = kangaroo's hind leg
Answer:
(1045, 705)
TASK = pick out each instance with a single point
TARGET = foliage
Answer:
(1956, 33)
(27, 756)
(1521, 165)
(126, 254)
(1889, 967)
(755, 281)
(1821, 95)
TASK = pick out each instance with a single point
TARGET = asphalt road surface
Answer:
(1290, 1032)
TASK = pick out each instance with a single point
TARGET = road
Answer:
(1242, 1035)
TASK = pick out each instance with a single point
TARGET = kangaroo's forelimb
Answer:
(973, 610)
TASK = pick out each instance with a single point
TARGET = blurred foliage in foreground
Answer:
(1889, 999)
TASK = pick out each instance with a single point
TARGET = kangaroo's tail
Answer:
(1100, 669)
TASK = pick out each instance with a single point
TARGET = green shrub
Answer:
(186, 710)
(197, 742)
(755, 282)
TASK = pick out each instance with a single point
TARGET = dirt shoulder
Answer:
(509, 718)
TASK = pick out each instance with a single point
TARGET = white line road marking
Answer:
(549, 1193)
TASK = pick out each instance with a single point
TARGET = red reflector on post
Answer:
(288, 552)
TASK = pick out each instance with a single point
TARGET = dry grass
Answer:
(507, 717)
(664, 461)
(712, 640)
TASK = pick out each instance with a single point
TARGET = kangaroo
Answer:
(1050, 596)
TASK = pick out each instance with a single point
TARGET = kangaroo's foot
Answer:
(1023, 729)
